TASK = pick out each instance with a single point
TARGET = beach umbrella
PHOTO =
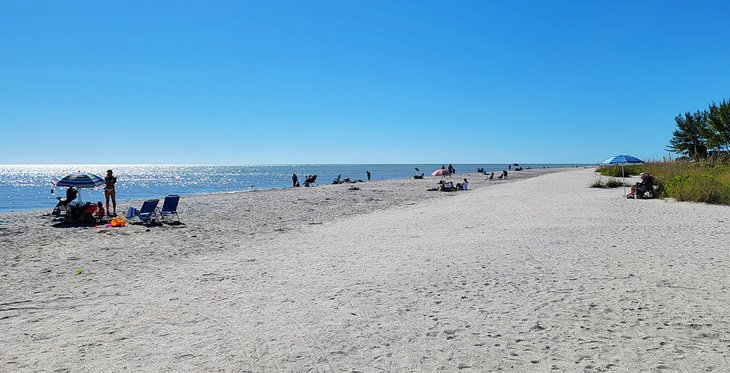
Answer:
(78, 180)
(622, 159)
(440, 172)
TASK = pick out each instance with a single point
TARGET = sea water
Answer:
(29, 187)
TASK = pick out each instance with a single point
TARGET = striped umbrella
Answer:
(79, 179)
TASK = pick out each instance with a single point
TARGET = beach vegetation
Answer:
(610, 183)
(703, 181)
(598, 183)
(702, 134)
(614, 183)
(615, 170)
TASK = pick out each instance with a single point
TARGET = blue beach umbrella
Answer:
(79, 180)
(622, 159)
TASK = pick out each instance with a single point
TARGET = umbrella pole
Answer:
(623, 178)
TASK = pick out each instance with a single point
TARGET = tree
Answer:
(690, 137)
(718, 121)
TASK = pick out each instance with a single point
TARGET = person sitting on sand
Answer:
(465, 185)
(100, 212)
(638, 189)
(87, 214)
(491, 176)
(445, 186)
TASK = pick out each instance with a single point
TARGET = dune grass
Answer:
(615, 171)
(705, 181)
(610, 183)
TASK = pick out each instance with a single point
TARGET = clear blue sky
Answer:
(342, 81)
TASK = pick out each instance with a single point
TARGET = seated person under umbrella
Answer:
(638, 189)
(71, 194)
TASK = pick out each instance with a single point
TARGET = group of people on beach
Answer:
(311, 179)
(89, 212)
(448, 186)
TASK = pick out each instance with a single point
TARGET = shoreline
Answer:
(150, 181)
(515, 175)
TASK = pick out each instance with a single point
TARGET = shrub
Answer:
(698, 188)
(614, 183)
(598, 184)
(611, 183)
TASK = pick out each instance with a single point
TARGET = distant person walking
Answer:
(368, 172)
(294, 180)
(110, 191)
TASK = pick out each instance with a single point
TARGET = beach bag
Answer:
(132, 212)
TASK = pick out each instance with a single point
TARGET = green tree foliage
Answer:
(718, 120)
(690, 137)
(703, 132)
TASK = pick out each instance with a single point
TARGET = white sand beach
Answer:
(541, 273)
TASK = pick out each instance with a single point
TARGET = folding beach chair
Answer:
(169, 207)
(147, 212)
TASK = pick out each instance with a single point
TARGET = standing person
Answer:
(294, 180)
(368, 172)
(509, 166)
(110, 191)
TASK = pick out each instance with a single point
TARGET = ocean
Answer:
(28, 187)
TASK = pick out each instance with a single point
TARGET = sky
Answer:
(282, 82)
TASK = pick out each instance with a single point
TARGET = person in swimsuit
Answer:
(110, 191)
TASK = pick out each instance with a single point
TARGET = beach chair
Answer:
(147, 213)
(169, 207)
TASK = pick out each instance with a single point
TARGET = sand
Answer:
(538, 274)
